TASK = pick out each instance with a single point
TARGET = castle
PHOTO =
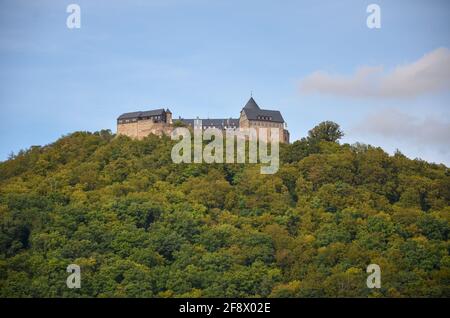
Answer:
(159, 121)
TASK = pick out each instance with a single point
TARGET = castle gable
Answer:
(251, 105)
(253, 112)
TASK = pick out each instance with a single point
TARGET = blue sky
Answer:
(312, 60)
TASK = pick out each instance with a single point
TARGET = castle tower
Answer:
(168, 116)
(252, 116)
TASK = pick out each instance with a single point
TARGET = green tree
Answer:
(325, 131)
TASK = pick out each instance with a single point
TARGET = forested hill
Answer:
(141, 226)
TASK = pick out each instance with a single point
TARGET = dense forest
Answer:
(139, 225)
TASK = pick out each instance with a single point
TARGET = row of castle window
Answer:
(122, 121)
(264, 117)
(224, 127)
(268, 124)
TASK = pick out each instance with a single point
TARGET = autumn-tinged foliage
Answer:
(142, 226)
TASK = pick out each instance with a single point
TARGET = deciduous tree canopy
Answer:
(139, 225)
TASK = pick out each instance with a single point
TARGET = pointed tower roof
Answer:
(253, 112)
(251, 104)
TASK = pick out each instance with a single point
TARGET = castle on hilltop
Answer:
(159, 121)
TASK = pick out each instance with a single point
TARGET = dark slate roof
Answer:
(274, 114)
(252, 111)
(154, 112)
(251, 104)
(219, 123)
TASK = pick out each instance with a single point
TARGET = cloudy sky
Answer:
(313, 60)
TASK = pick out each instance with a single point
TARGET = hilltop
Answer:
(141, 226)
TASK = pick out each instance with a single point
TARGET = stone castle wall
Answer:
(142, 128)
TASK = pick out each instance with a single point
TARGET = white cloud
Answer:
(391, 123)
(429, 74)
